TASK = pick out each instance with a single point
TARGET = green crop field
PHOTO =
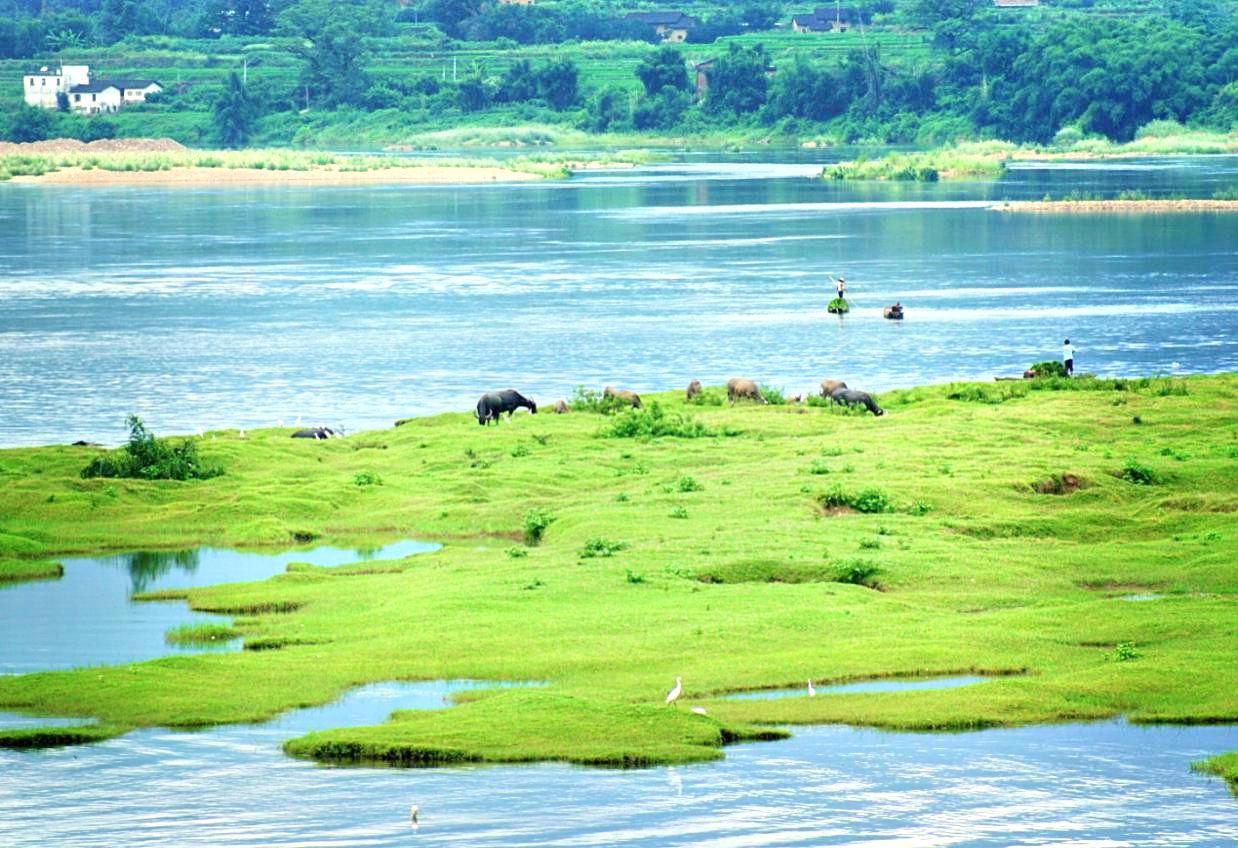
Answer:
(998, 529)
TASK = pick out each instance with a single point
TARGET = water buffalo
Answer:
(631, 398)
(561, 407)
(851, 397)
(694, 389)
(737, 388)
(794, 398)
(493, 404)
(316, 433)
(828, 387)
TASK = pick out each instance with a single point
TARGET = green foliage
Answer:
(1143, 475)
(1048, 368)
(687, 483)
(653, 422)
(838, 306)
(988, 393)
(516, 552)
(1125, 651)
(737, 81)
(870, 500)
(146, 457)
(587, 400)
(858, 572)
(366, 478)
(599, 546)
(663, 68)
(536, 522)
(679, 511)
(234, 114)
(200, 634)
(633, 577)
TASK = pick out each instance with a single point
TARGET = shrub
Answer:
(1124, 651)
(1140, 474)
(870, 544)
(1049, 368)
(993, 394)
(773, 395)
(366, 478)
(866, 500)
(858, 572)
(519, 451)
(653, 421)
(535, 523)
(688, 484)
(679, 511)
(587, 400)
(633, 577)
(818, 467)
(516, 552)
(710, 396)
(598, 546)
(146, 457)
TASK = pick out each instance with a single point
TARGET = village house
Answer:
(671, 27)
(826, 19)
(45, 87)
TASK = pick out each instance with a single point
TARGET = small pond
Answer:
(891, 685)
(88, 617)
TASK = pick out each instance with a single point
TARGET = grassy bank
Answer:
(1224, 766)
(988, 159)
(1070, 536)
(223, 164)
(19, 569)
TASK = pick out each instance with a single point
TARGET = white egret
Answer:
(699, 711)
(812, 692)
(412, 814)
(241, 435)
(673, 695)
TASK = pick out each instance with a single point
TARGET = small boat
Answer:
(894, 313)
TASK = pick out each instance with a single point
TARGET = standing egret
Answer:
(812, 692)
(412, 815)
(673, 695)
(241, 435)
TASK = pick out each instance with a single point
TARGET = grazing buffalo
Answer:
(794, 398)
(561, 407)
(632, 399)
(493, 404)
(738, 388)
(317, 433)
(828, 387)
(851, 397)
(694, 389)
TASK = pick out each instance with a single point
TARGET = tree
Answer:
(661, 68)
(472, 94)
(120, 18)
(237, 17)
(737, 81)
(519, 83)
(29, 123)
(661, 111)
(557, 84)
(333, 66)
(234, 114)
(610, 110)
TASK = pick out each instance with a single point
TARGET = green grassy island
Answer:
(1071, 539)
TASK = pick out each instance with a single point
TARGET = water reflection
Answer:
(88, 617)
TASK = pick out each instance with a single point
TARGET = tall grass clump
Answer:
(145, 457)
(1138, 473)
(536, 522)
(869, 500)
(653, 421)
(587, 400)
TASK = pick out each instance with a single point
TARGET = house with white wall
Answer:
(42, 88)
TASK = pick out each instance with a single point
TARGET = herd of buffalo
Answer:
(493, 404)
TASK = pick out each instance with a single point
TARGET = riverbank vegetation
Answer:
(926, 72)
(973, 529)
(23, 569)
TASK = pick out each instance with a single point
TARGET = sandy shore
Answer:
(328, 175)
(1151, 205)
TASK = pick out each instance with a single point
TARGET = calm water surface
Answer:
(242, 307)
(1106, 784)
(87, 617)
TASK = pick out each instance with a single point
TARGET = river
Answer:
(244, 307)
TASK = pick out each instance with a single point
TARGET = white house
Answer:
(40, 87)
(88, 97)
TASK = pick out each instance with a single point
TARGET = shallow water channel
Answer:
(88, 617)
(1102, 784)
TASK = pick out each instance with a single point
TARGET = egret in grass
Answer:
(673, 695)
(699, 711)
(241, 435)
(812, 692)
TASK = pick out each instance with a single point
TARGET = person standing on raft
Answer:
(840, 285)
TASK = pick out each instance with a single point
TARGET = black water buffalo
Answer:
(852, 397)
(317, 433)
(493, 404)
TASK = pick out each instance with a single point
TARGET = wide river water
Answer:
(242, 307)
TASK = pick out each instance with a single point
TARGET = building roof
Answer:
(132, 83)
(824, 17)
(93, 87)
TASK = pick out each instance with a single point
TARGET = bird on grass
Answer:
(699, 711)
(812, 692)
(241, 435)
(673, 695)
